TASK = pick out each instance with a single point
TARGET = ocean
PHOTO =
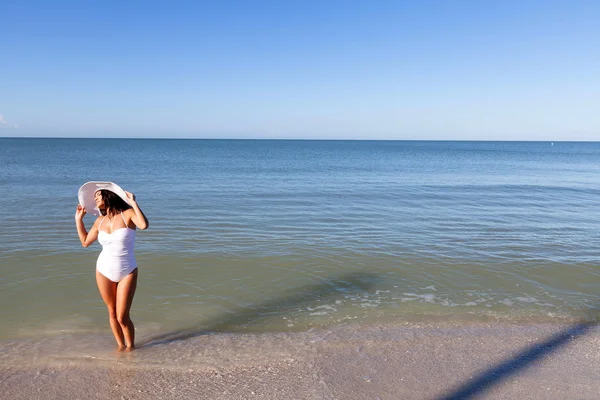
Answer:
(272, 236)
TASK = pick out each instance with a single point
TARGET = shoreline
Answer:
(388, 361)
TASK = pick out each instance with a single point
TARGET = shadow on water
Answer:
(523, 360)
(239, 318)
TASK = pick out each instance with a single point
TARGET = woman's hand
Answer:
(85, 237)
(130, 197)
(80, 213)
(137, 216)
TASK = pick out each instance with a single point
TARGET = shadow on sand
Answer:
(239, 318)
(524, 359)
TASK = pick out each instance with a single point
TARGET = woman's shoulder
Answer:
(128, 214)
(98, 219)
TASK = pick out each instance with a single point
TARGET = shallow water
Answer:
(277, 236)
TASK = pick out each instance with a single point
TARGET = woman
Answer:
(116, 268)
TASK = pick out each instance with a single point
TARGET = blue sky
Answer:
(489, 70)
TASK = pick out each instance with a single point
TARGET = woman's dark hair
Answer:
(112, 201)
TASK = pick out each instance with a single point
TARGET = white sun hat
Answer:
(87, 191)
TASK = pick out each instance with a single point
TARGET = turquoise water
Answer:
(286, 235)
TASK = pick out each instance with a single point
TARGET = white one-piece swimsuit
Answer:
(116, 260)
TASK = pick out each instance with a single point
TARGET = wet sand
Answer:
(394, 361)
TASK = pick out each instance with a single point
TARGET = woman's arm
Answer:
(137, 217)
(85, 237)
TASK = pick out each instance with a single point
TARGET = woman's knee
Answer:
(112, 312)
(123, 319)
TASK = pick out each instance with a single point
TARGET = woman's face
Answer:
(98, 199)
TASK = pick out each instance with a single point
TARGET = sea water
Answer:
(282, 236)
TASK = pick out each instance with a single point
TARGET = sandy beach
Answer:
(394, 361)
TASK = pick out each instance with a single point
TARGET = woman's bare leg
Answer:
(125, 292)
(108, 291)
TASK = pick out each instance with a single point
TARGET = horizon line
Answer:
(300, 139)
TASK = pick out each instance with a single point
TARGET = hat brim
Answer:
(87, 190)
